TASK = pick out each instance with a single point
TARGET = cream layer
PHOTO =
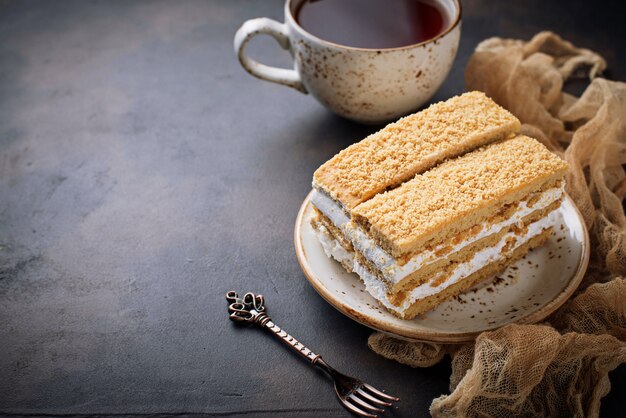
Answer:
(332, 247)
(394, 272)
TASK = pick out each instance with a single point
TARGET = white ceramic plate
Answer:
(527, 292)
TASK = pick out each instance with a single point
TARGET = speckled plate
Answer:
(527, 292)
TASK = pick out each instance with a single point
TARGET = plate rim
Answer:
(436, 336)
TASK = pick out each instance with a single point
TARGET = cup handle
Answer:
(278, 31)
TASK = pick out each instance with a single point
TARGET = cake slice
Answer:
(443, 231)
(450, 227)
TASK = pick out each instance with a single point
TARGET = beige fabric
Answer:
(559, 368)
(533, 371)
(414, 354)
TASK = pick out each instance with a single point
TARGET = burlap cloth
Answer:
(559, 367)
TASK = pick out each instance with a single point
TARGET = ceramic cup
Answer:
(365, 85)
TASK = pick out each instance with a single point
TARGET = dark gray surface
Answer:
(143, 174)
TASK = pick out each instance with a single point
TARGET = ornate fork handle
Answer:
(251, 310)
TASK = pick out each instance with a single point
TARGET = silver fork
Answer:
(356, 396)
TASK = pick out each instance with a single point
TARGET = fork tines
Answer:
(367, 401)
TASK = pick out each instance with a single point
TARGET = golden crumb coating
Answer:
(458, 194)
(413, 145)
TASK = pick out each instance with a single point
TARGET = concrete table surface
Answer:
(143, 174)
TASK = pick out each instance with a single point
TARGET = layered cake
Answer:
(450, 212)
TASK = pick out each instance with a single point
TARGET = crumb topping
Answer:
(413, 145)
(402, 217)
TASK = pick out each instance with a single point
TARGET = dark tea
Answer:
(376, 24)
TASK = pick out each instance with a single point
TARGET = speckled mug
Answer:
(365, 85)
